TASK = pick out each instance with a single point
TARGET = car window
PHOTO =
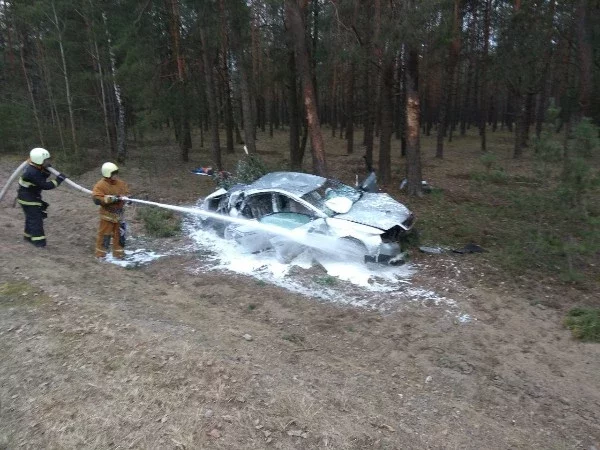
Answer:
(283, 203)
(257, 205)
(287, 220)
(331, 189)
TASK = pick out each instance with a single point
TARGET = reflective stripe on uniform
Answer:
(25, 184)
(100, 250)
(26, 203)
(38, 238)
(110, 219)
(54, 182)
(27, 235)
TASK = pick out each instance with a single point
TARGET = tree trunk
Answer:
(213, 117)
(121, 135)
(296, 156)
(67, 83)
(30, 91)
(465, 115)
(413, 124)
(228, 110)
(248, 122)
(483, 102)
(585, 57)
(109, 141)
(519, 125)
(369, 89)
(387, 125)
(333, 100)
(544, 88)
(403, 99)
(527, 118)
(184, 136)
(453, 54)
(350, 110)
(294, 19)
(53, 107)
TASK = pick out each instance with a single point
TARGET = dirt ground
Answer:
(97, 356)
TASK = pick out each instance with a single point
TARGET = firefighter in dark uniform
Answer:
(33, 181)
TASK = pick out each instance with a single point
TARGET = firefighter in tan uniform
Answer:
(107, 193)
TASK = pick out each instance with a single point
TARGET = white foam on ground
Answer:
(231, 256)
(133, 258)
(372, 286)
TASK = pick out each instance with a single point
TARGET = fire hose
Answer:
(12, 178)
(316, 240)
(187, 210)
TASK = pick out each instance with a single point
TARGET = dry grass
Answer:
(154, 358)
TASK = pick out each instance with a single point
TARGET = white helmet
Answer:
(108, 168)
(38, 155)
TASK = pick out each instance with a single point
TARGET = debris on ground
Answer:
(470, 248)
(426, 187)
(432, 250)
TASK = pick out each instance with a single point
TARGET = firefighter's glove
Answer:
(108, 199)
(61, 177)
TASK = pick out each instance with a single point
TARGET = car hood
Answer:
(376, 210)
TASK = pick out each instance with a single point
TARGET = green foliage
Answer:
(586, 138)
(159, 222)
(249, 169)
(15, 127)
(580, 177)
(584, 323)
(488, 160)
(492, 174)
(495, 176)
(524, 221)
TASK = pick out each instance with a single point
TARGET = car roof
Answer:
(294, 183)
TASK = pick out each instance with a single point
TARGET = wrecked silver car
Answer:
(370, 226)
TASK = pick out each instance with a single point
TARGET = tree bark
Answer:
(296, 156)
(294, 19)
(109, 141)
(53, 107)
(585, 57)
(228, 110)
(413, 124)
(350, 109)
(519, 124)
(546, 73)
(369, 89)
(387, 125)
(247, 104)
(121, 135)
(30, 91)
(213, 117)
(449, 78)
(66, 77)
(184, 136)
(483, 102)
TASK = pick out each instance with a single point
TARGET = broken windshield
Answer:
(328, 190)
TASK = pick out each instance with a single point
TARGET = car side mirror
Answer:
(339, 205)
